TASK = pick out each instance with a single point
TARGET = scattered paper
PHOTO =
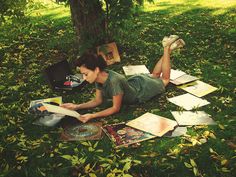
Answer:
(153, 124)
(198, 88)
(188, 101)
(193, 118)
(135, 69)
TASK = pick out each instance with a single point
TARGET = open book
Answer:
(153, 124)
(61, 110)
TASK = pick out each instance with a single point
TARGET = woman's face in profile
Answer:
(89, 75)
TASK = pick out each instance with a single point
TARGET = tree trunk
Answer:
(88, 19)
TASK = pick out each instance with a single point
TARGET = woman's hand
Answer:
(86, 117)
(70, 106)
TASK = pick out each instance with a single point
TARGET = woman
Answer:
(112, 85)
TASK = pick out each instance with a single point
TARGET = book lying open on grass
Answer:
(198, 88)
(109, 52)
(61, 110)
(122, 135)
(153, 124)
(193, 118)
(188, 101)
(135, 69)
(82, 131)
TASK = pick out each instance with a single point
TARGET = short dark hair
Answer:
(91, 61)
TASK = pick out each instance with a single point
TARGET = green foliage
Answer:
(12, 9)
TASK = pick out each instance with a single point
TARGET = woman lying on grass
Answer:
(112, 85)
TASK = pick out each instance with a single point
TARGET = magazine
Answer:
(122, 135)
(198, 88)
(82, 132)
(109, 52)
(135, 69)
(188, 101)
(153, 124)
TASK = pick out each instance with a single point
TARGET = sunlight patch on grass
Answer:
(166, 4)
(51, 10)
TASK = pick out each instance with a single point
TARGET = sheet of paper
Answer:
(61, 110)
(174, 74)
(153, 124)
(193, 118)
(198, 88)
(188, 101)
(135, 69)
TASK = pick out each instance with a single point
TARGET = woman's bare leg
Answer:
(163, 66)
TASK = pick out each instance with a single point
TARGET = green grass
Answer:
(47, 36)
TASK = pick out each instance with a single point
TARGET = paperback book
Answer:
(122, 135)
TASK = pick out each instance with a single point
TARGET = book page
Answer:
(153, 124)
(135, 69)
(188, 101)
(61, 110)
(198, 88)
(193, 118)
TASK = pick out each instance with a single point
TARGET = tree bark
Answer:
(89, 21)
